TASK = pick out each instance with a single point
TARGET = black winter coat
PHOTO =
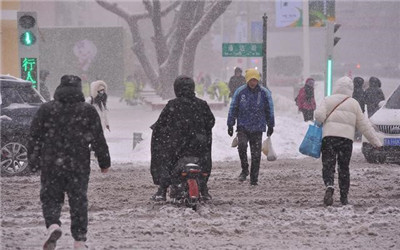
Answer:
(359, 95)
(373, 95)
(62, 131)
(183, 129)
(234, 83)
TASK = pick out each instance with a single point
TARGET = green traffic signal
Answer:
(329, 66)
(27, 38)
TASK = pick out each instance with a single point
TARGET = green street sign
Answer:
(242, 50)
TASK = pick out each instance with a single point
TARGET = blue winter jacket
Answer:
(252, 108)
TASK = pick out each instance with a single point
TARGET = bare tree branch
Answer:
(148, 7)
(198, 32)
(113, 7)
(169, 8)
(138, 45)
(159, 40)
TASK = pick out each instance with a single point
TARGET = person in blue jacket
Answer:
(252, 109)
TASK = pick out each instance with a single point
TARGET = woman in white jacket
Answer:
(98, 98)
(338, 134)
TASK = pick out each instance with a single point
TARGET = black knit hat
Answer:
(71, 81)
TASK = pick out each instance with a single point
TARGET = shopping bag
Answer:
(268, 150)
(312, 141)
(264, 147)
(235, 142)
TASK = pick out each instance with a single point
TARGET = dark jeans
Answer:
(308, 115)
(53, 187)
(254, 138)
(336, 149)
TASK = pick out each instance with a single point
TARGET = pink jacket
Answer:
(303, 103)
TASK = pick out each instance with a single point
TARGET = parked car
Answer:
(386, 122)
(19, 103)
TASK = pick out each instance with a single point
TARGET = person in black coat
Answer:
(358, 92)
(182, 129)
(373, 95)
(236, 81)
(60, 135)
(359, 95)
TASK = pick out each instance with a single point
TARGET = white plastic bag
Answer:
(235, 142)
(268, 150)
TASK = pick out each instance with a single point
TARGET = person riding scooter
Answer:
(182, 129)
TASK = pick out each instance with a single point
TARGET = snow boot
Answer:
(243, 175)
(160, 195)
(328, 198)
(54, 233)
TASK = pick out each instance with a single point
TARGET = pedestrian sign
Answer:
(242, 50)
(29, 70)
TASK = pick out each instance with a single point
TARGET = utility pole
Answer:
(306, 40)
(264, 50)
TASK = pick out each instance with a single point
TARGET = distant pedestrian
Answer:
(305, 100)
(44, 90)
(98, 98)
(60, 135)
(338, 135)
(359, 95)
(252, 110)
(236, 81)
(373, 95)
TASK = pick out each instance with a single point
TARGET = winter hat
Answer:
(238, 70)
(97, 86)
(252, 74)
(184, 86)
(343, 85)
(374, 82)
(358, 82)
(71, 81)
(69, 90)
(310, 82)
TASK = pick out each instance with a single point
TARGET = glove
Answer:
(270, 131)
(230, 131)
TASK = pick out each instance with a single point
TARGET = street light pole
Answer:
(264, 50)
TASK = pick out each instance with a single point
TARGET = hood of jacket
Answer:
(184, 87)
(69, 90)
(374, 82)
(344, 86)
(358, 82)
(96, 86)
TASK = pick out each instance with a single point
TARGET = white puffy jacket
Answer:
(346, 117)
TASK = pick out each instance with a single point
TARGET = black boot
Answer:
(160, 195)
(243, 175)
(328, 198)
(343, 198)
(205, 195)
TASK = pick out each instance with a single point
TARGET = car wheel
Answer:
(14, 159)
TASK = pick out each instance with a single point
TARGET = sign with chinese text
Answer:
(242, 50)
(289, 13)
(29, 70)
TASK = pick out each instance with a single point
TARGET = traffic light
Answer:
(28, 46)
(331, 41)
